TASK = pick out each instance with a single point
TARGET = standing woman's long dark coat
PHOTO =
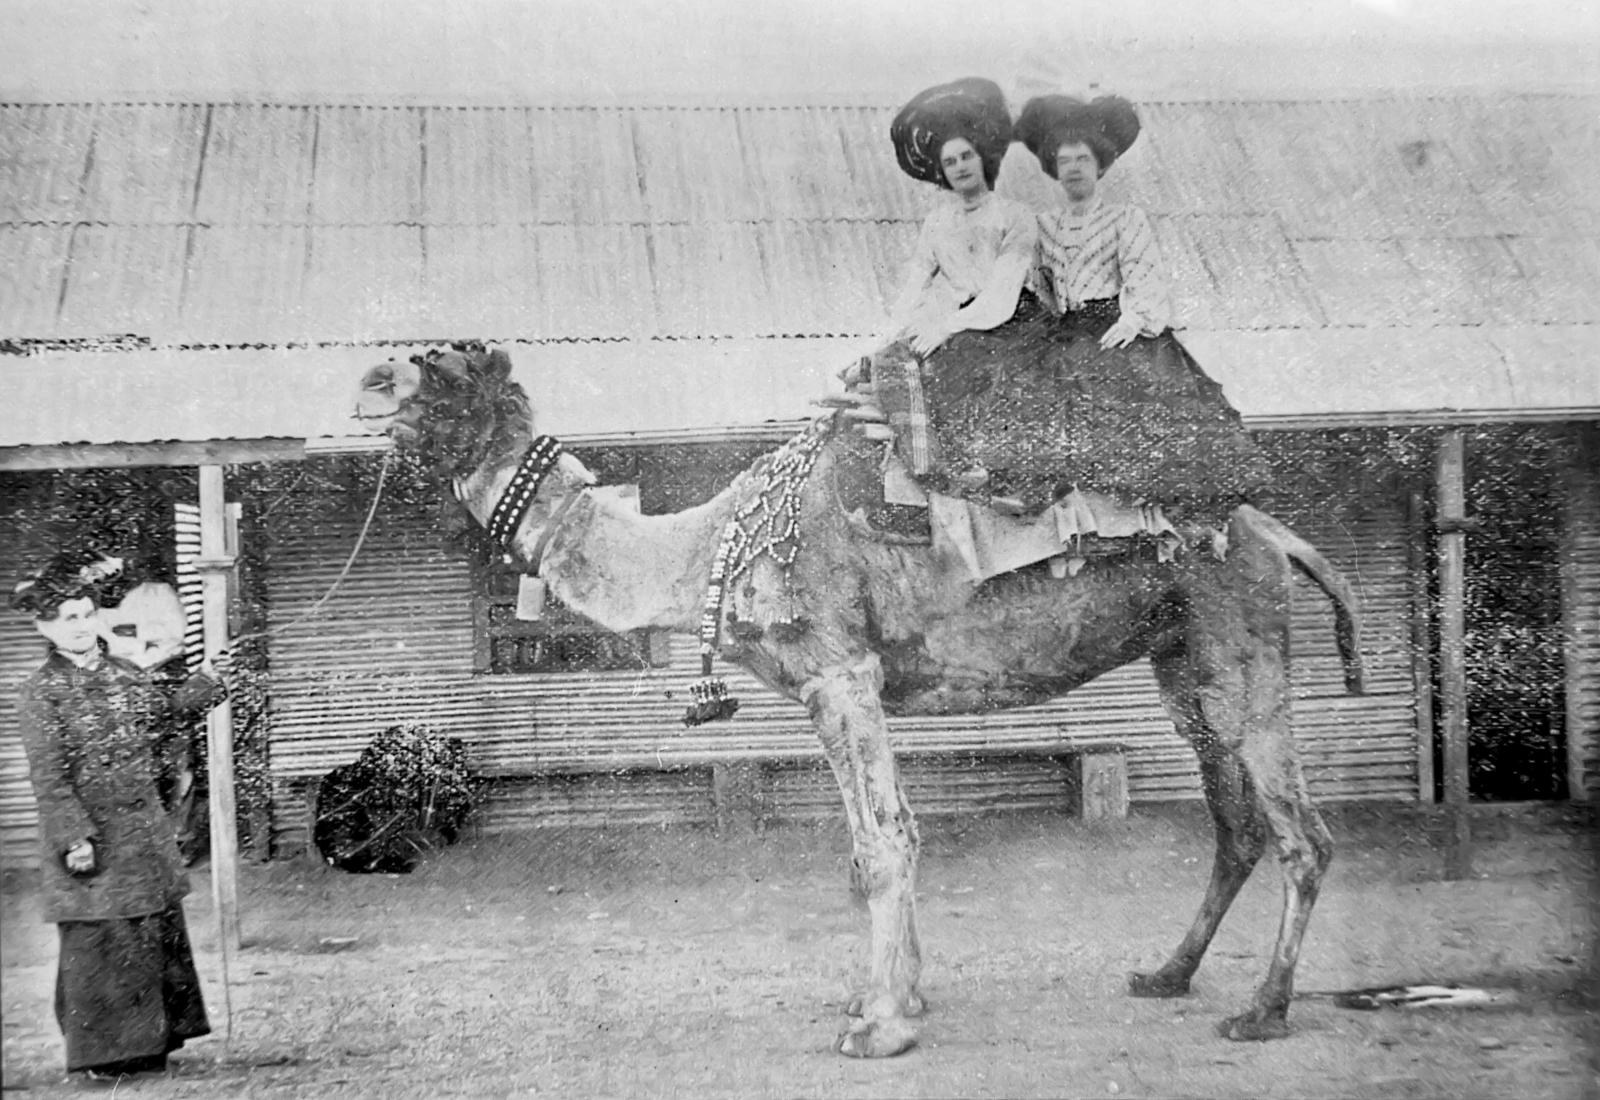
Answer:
(103, 758)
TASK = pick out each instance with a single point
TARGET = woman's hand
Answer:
(80, 857)
(1124, 332)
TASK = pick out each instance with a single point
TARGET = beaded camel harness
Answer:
(767, 525)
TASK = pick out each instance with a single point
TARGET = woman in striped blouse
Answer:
(1105, 398)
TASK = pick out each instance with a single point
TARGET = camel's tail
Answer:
(1346, 605)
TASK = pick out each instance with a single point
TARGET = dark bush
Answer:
(410, 791)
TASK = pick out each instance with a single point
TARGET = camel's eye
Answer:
(380, 379)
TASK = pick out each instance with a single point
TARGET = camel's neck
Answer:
(621, 569)
(627, 571)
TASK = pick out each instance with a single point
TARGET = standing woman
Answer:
(97, 736)
(972, 256)
(1130, 412)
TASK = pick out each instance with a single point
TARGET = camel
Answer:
(858, 628)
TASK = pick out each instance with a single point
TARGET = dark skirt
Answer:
(1041, 406)
(127, 990)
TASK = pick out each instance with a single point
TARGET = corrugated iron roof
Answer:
(742, 221)
(1438, 225)
(696, 388)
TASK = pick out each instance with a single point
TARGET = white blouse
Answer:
(972, 260)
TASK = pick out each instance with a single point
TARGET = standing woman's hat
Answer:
(71, 575)
(1107, 124)
(971, 108)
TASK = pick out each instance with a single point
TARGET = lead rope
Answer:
(226, 953)
(349, 563)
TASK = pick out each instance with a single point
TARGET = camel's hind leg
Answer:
(1240, 831)
(848, 713)
(1237, 656)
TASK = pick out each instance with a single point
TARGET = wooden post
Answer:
(1452, 514)
(1421, 644)
(1102, 775)
(214, 564)
(738, 794)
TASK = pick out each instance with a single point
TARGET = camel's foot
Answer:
(883, 1037)
(1159, 984)
(1255, 1026)
(913, 1005)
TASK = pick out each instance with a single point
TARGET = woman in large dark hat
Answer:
(1099, 395)
(972, 256)
(98, 738)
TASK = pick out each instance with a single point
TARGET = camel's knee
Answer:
(840, 683)
(1305, 859)
(884, 863)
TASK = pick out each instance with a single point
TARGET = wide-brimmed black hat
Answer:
(1108, 124)
(71, 575)
(972, 108)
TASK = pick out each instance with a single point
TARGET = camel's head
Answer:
(455, 406)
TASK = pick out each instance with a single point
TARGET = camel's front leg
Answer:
(845, 706)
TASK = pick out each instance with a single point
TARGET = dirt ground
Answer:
(671, 962)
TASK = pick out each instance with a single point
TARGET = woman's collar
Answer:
(1093, 207)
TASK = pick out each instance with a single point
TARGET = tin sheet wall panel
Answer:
(1534, 159)
(44, 158)
(258, 165)
(1465, 279)
(1184, 158)
(692, 168)
(21, 651)
(1558, 273)
(827, 278)
(22, 546)
(246, 285)
(796, 161)
(587, 168)
(368, 167)
(594, 281)
(32, 278)
(365, 284)
(540, 282)
(479, 167)
(712, 280)
(124, 278)
(1580, 547)
(873, 172)
(1253, 279)
(145, 165)
(1364, 283)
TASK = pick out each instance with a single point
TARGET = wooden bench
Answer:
(742, 771)
(1097, 777)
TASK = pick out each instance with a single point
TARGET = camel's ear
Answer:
(498, 366)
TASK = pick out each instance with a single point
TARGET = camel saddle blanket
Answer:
(988, 543)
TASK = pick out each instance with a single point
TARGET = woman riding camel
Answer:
(1098, 393)
(1089, 389)
(972, 256)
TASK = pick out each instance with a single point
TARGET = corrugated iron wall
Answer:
(21, 651)
(393, 644)
(1580, 582)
